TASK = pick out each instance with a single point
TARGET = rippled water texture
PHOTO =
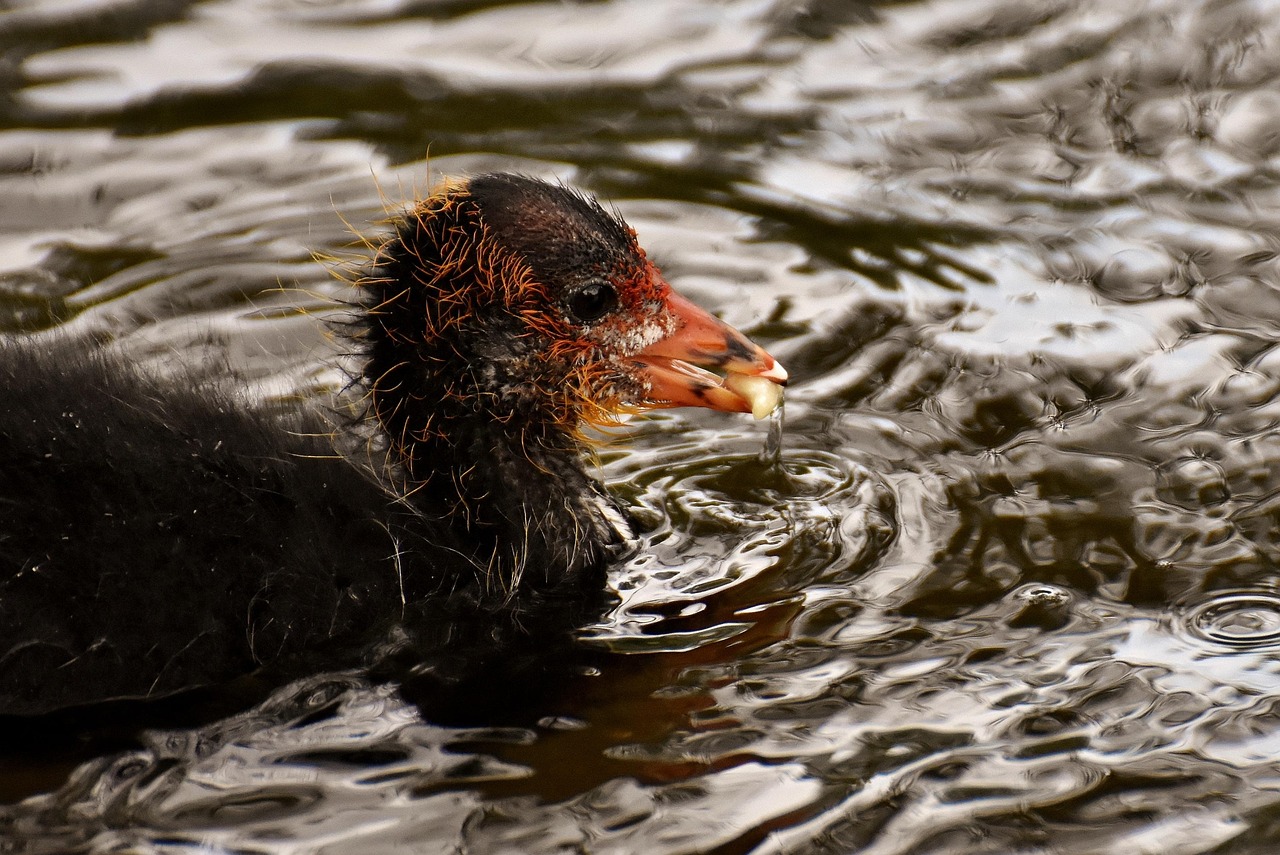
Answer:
(1012, 588)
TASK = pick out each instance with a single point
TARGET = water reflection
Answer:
(1010, 588)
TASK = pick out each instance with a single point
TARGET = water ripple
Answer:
(1236, 620)
(728, 537)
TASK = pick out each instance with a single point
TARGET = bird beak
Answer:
(676, 366)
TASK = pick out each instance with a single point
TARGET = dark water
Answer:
(1015, 589)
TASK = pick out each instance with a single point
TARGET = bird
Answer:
(159, 535)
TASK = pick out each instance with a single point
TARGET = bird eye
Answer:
(592, 301)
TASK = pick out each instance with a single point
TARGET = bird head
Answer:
(530, 305)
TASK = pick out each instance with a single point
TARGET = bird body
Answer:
(177, 541)
(156, 536)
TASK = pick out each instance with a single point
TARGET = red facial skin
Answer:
(673, 369)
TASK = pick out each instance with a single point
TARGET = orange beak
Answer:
(672, 365)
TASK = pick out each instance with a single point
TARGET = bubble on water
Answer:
(1192, 483)
(1135, 275)
(1251, 123)
(1041, 605)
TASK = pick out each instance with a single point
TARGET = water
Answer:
(1011, 587)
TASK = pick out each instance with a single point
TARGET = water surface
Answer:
(1013, 589)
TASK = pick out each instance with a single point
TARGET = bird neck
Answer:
(513, 492)
(522, 512)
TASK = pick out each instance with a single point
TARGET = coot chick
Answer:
(155, 535)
